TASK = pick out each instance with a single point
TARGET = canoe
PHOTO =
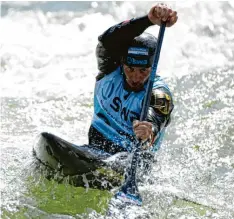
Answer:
(82, 165)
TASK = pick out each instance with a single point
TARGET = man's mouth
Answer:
(135, 86)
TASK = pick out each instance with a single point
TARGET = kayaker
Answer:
(125, 55)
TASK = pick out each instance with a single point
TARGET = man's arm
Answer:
(113, 43)
(161, 106)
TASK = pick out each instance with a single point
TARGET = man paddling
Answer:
(125, 55)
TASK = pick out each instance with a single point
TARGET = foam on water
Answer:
(48, 70)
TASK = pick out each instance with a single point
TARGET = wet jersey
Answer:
(115, 109)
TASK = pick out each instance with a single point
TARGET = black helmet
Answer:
(141, 51)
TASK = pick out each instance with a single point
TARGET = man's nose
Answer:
(137, 76)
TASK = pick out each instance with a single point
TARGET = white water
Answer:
(48, 70)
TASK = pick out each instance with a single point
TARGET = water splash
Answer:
(47, 77)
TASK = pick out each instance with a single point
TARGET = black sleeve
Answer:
(157, 118)
(113, 43)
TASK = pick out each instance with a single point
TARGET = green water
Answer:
(51, 197)
(66, 199)
(189, 207)
(45, 198)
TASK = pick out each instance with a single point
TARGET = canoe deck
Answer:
(81, 165)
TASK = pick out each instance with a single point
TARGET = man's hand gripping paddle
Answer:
(129, 192)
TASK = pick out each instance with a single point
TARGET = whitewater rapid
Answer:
(48, 70)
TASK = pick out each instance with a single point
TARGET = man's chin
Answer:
(134, 88)
(137, 88)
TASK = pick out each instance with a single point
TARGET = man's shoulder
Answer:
(159, 83)
(108, 75)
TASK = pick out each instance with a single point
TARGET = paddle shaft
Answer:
(130, 186)
(149, 88)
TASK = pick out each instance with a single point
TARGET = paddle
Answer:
(129, 191)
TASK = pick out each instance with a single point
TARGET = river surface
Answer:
(48, 70)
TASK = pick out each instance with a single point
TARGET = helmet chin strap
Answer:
(125, 76)
(127, 79)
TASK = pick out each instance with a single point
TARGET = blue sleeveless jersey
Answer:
(115, 109)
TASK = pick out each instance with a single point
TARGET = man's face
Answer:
(136, 76)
